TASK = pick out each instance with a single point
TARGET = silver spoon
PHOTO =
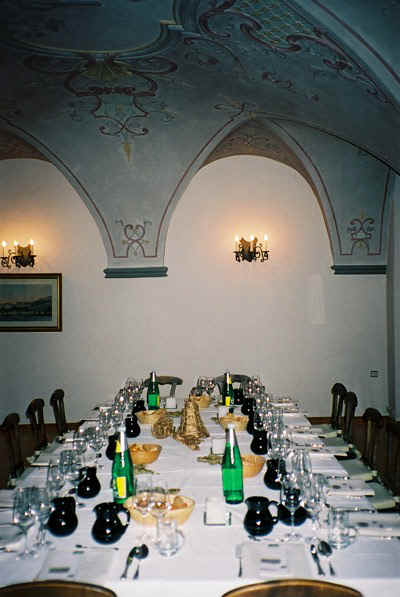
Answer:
(129, 560)
(140, 552)
(326, 550)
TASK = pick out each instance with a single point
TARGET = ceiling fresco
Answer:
(129, 98)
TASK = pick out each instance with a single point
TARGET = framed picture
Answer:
(30, 303)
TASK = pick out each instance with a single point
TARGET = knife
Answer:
(129, 561)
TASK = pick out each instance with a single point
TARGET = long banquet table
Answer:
(206, 565)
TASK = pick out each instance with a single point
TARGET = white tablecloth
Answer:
(206, 565)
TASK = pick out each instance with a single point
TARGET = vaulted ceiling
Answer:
(130, 97)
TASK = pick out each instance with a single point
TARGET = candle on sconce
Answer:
(236, 243)
(265, 242)
(32, 245)
(251, 243)
(3, 244)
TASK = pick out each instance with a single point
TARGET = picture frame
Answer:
(30, 303)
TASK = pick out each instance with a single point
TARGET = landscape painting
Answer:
(30, 302)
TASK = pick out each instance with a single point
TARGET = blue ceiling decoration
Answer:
(129, 98)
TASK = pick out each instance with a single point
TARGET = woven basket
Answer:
(252, 464)
(202, 401)
(144, 453)
(180, 514)
(240, 421)
(149, 417)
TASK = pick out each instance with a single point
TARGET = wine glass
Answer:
(290, 498)
(96, 442)
(143, 497)
(71, 467)
(79, 441)
(313, 492)
(41, 508)
(23, 518)
(55, 476)
(160, 503)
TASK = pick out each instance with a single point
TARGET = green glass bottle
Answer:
(232, 469)
(153, 393)
(122, 470)
(227, 391)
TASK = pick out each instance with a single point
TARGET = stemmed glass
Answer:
(41, 508)
(96, 442)
(55, 476)
(80, 441)
(23, 517)
(160, 503)
(313, 492)
(290, 498)
(143, 496)
(71, 464)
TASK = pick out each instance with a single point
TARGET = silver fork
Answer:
(238, 555)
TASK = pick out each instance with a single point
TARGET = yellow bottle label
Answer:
(227, 400)
(121, 487)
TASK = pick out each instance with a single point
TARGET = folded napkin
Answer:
(350, 487)
(91, 564)
(268, 559)
(350, 502)
(375, 524)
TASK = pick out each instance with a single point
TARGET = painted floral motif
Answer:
(360, 230)
(134, 236)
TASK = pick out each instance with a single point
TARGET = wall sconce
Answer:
(251, 250)
(20, 256)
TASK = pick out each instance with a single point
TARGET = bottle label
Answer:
(153, 401)
(121, 487)
(228, 400)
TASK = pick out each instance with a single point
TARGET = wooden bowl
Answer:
(202, 401)
(240, 421)
(149, 417)
(252, 464)
(180, 513)
(144, 453)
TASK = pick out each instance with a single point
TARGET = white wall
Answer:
(290, 320)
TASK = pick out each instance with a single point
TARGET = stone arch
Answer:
(266, 138)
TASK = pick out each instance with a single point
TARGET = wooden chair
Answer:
(294, 587)
(57, 404)
(34, 413)
(349, 399)
(167, 380)
(55, 588)
(10, 428)
(391, 470)
(236, 378)
(332, 429)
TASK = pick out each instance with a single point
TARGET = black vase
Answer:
(90, 485)
(247, 406)
(259, 445)
(237, 396)
(250, 424)
(138, 406)
(275, 468)
(108, 527)
(63, 520)
(132, 427)
(258, 520)
(112, 443)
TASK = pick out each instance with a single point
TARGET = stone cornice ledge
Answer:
(135, 272)
(359, 269)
